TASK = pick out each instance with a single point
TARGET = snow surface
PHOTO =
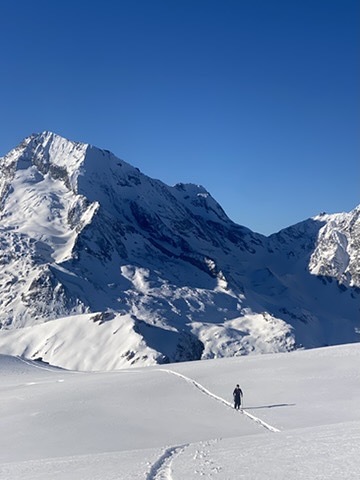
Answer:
(109, 341)
(301, 419)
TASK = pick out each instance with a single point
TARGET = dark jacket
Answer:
(237, 393)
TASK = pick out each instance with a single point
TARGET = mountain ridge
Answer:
(94, 236)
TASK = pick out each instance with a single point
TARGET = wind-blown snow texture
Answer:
(103, 267)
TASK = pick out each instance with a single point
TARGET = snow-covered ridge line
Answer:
(36, 365)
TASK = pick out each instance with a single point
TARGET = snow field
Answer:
(176, 422)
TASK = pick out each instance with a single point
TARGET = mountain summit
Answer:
(104, 267)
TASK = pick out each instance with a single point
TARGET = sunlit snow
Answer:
(301, 419)
(90, 248)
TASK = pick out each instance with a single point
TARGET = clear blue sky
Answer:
(256, 100)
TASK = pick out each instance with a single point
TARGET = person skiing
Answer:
(238, 395)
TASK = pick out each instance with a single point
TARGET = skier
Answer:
(238, 395)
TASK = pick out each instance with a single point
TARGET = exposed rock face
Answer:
(83, 232)
(337, 252)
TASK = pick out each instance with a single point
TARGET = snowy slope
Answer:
(86, 236)
(107, 342)
(301, 419)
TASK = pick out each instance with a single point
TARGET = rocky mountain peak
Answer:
(85, 235)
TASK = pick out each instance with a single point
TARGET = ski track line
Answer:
(33, 364)
(220, 399)
(55, 369)
(187, 379)
(161, 469)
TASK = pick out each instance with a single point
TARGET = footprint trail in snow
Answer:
(161, 469)
(207, 392)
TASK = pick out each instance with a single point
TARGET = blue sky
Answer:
(258, 101)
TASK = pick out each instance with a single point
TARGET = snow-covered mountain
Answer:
(104, 267)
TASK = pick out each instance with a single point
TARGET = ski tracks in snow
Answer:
(161, 469)
(207, 392)
(33, 364)
(196, 384)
